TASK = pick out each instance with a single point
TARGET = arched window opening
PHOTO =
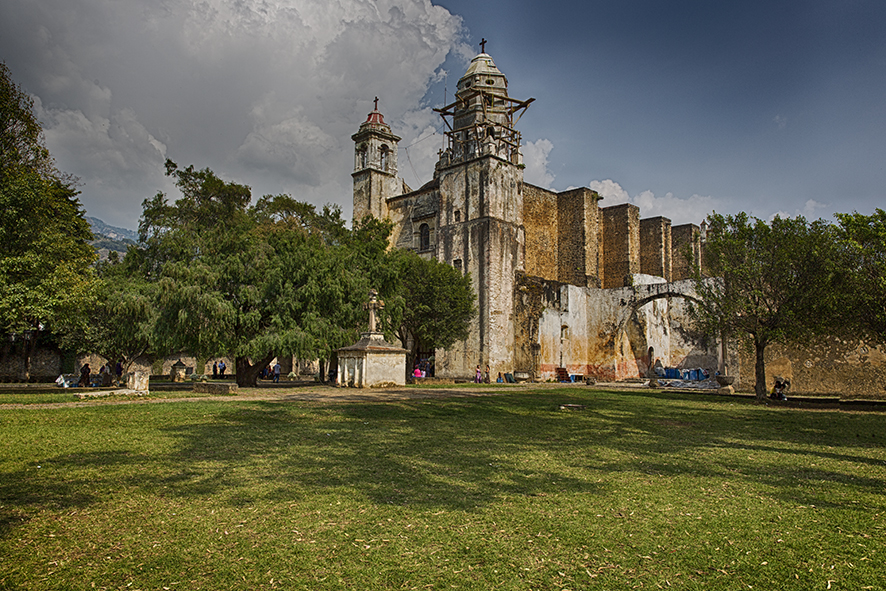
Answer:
(424, 237)
(384, 157)
(457, 216)
(361, 157)
(457, 264)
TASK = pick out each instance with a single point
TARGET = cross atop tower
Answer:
(376, 103)
(483, 43)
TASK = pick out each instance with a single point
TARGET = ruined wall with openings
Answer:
(610, 334)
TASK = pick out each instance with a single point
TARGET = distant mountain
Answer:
(112, 232)
(110, 238)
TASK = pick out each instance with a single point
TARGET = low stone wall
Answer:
(215, 389)
(431, 381)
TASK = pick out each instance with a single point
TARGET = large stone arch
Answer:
(637, 329)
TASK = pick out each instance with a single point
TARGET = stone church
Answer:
(564, 285)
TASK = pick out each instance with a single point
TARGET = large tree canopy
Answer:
(46, 279)
(254, 282)
(214, 276)
(433, 305)
(21, 135)
(863, 238)
(767, 283)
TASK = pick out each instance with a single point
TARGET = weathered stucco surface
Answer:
(371, 366)
(606, 333)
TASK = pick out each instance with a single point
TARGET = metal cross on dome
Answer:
(483, 43)
(376, 103)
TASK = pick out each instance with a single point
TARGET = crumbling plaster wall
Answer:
(606, 333)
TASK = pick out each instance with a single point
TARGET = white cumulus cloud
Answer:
(690, 210)
(264, 92)
(535, 157)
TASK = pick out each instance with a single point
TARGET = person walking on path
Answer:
(277, 372)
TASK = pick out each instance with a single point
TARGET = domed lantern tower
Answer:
(483, 116)
(480, 180)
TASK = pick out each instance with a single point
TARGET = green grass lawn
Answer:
(652, 490)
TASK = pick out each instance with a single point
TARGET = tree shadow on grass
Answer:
(459, 454)
(405, 454)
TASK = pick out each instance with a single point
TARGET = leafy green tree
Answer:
(863, 241)
(767, 283)
(279, 278)
(123, 320)
(21, 135)
(46, 279)
(433, 306)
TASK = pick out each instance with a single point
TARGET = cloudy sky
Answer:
(681, 107)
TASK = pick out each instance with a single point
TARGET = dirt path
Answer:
(290, 393)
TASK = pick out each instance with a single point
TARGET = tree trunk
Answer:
(247, 373)
(28, 348)
(760, 371)
(333, 364)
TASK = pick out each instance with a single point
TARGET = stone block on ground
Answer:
(137, 380)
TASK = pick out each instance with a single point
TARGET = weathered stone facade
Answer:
(562, 282)
(559, 279)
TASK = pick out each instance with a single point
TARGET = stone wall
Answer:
(685, 238)
(578, 237)
(46, 365)
(408, 212)
(655, 247)
(620, 243)
(850, 369)
(541, 222)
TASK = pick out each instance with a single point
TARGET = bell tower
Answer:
(480, 179)
(375, 166)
